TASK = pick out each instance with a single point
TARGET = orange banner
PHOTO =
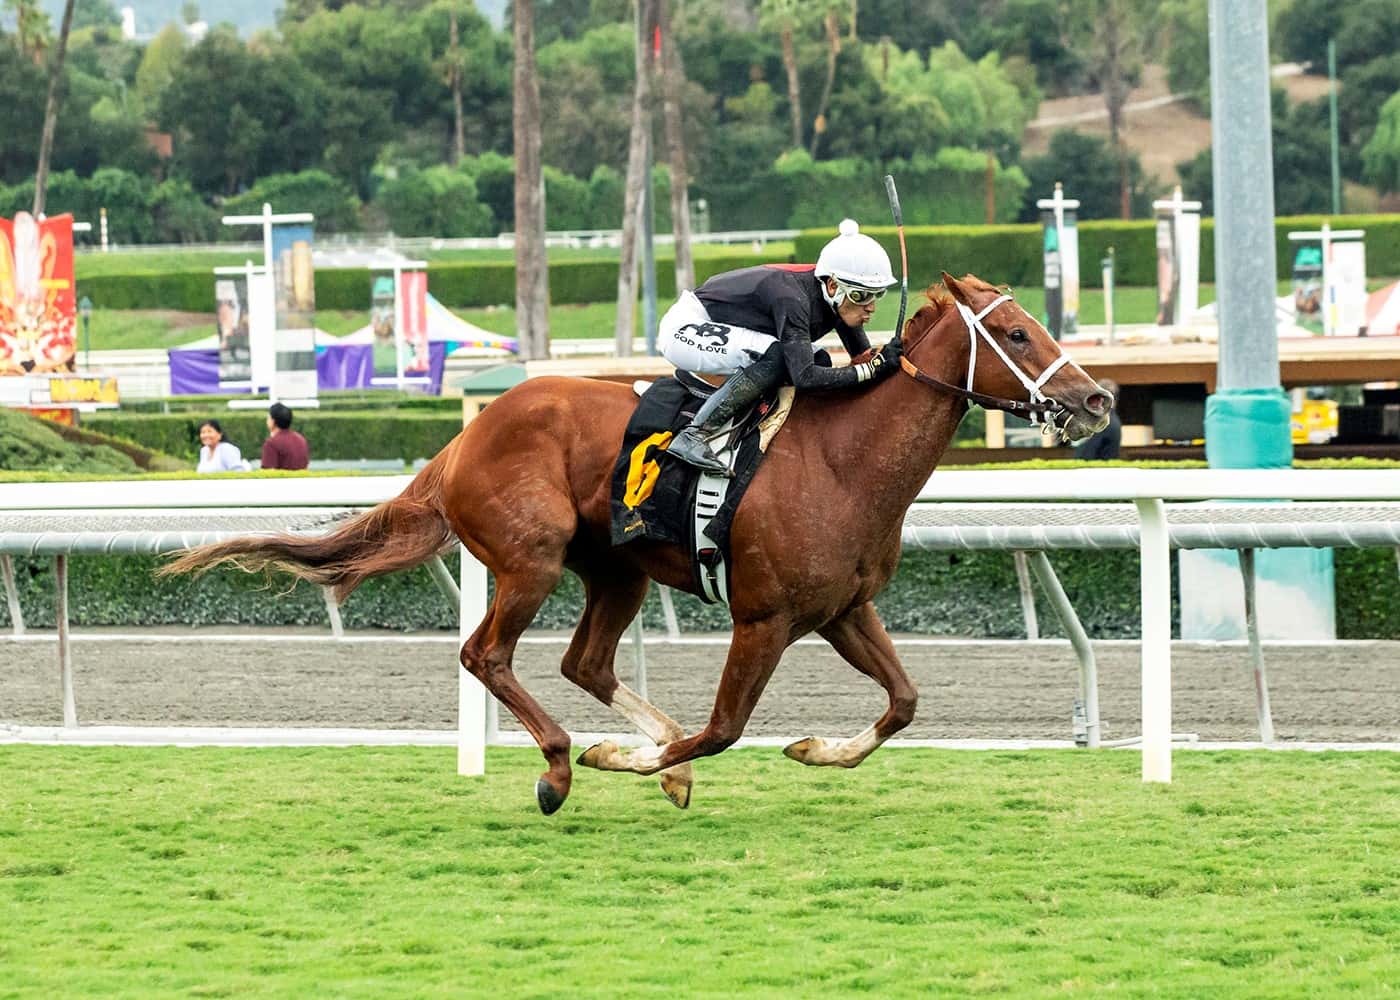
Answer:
(38, 313)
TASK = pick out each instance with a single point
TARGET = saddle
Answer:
(666, 500)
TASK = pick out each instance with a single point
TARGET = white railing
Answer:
(1147, 489)
(418, 245)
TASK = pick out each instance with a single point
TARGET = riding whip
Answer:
(903, 255)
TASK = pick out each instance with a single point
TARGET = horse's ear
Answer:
(955, 287)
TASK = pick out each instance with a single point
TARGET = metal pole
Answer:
(473, 719)
(1332, 114)
(639, 656)
(333, 613)
(1256, 652)
(1023, 583)
(7, 570)
(1244, 194)
(1156, 641)
(65, 654)
(673, 628)
(1088, 666)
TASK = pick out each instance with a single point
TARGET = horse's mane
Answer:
(940, 301)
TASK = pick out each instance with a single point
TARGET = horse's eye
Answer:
(1018, 335)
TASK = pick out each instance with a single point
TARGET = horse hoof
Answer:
(677, 789)
(595, 755)
(802, 749)
(548, 797)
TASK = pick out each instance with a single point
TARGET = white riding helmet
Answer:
(853, 259)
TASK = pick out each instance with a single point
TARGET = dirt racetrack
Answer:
(1007, 690)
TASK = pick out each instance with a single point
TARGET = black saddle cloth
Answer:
(653, 494)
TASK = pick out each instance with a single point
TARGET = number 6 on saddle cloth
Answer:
(671, 501)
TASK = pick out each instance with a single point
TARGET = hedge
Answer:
(453, 283)
(1012, 254)
(956, 594)
(337, 434)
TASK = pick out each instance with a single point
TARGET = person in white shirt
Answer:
(216, 454)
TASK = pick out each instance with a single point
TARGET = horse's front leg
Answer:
(754, 652)
(861, 639)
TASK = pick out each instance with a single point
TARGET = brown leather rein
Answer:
(982, 399)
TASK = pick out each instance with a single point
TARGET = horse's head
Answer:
(1010, 357)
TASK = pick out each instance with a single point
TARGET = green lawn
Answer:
(149, 872)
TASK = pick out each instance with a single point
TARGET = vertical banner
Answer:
(1307, 287)
(231, 317)
(1054, 295)
(295, 299)
(1178, 259)
(413, 304)
(1188, 256)
(1069, 272)
(38, 311)
(1168, 270)
(1345, 292)
(262, 330)
(383, 326)
(1060, 246)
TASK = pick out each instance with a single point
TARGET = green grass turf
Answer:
(147, 872)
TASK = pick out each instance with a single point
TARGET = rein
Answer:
(1037, 407)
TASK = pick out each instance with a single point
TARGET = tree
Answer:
(32, 28)
(1091, 174)
(636, 177)
(1381, 155)
(783, 17)
(1119, 30)
(454, 56)
(832, 26)
(159, 62)
(41, 174)
(95, 14)
(531, 269)
(672, 82)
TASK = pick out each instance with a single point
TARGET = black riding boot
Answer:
(740, 391)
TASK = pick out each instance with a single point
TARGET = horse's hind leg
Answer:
(487, 656)
(614, 599)
(753, 655)
(861, 639)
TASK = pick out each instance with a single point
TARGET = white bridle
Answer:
(1032, 386)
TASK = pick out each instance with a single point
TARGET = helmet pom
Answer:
(848, 227)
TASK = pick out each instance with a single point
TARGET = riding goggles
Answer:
(858, 295)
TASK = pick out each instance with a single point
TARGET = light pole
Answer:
(85, 311)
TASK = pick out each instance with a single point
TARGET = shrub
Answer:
(327, 198)
(438, 201)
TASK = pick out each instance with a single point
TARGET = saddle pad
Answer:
(652, 494)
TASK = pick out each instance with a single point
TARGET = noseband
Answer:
(1039, 409)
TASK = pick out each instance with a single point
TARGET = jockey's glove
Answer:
(886, 362)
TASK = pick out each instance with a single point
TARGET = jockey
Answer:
(756, 325)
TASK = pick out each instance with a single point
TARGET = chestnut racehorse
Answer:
(525, 487)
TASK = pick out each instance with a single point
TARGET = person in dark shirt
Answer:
(284, 447)
(756, 326)
(1104, 446)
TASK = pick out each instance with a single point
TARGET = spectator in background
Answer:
(1104, 446)
(216, 454)
(284, 447)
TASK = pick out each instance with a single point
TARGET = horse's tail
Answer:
(398, 534)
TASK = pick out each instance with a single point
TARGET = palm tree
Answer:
(831, 22)
(41, 174)
(531, 268)
(784, 17)
(636, 177)
(672, 87)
